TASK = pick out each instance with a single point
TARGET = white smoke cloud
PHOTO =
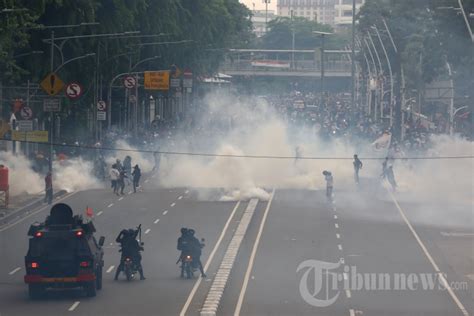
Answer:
(22, 178)
(75, 175)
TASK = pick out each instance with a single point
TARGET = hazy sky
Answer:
(259, 5)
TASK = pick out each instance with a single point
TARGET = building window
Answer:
(347, 13)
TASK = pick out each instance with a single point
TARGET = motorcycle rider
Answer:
(195, 247)
(129, 248)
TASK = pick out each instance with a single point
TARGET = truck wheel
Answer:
(99, 278)
(91, 289)
(35, 291)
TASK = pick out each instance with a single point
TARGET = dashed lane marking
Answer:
(147, 231)
(146, 181)
(346, 277)
(336, 225)
(338, 236)
(120, 199)
(99, 213)
(165, 212)
(351, 312)
(156, 221)
(110, 269)
(430, 258)
(186, 192)
(252, 256)
(14, 271)
(339, 246)
(335, 216)
(208, 263)
(73, 306)
(180, 197)
(130, 192)
(173, 204)
(110, 205)
(348, 294)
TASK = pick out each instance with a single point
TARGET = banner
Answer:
(33, 136)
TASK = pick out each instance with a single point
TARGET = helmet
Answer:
(184, 230)
(191, 232)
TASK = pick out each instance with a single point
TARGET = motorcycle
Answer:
(130, 268)
(187, 266)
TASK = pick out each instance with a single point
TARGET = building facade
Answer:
(259, 18)
(333, 12)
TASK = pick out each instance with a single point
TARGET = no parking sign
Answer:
(74, 90)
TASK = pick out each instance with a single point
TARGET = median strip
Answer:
(211, 304)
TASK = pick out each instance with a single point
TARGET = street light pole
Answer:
(51, 116)
(323, 39)
(353, 62)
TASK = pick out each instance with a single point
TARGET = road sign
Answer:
(101, 116)
(52, 105)
(188, 73)
(101, 106)
(157, 80)
(25, 126)
(175, 71)
(175, 83)
(187, 83)
(26, 113)
(74, 90)
(52, 84)
(129, 82)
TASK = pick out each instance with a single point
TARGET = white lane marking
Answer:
(165, 212)
(156, 221)
(120, 199)
(186, 192)
(337, 225)
(180, 197)
(348, 294)
(339, 246)
(335, 216)
(146, 181)
(147, 231)
(110, 269)
(216, 291)
(454, 234)
(130, 192)
(110, 205)
(36, 212)
(73, 306)
(99, 213)
(252, 257)
(209, 260)
(338, 236)
(346, 277)
(173, 204)
(14, 271)
(427, 254)
(351, 312)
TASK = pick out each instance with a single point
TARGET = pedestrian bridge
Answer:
(286, 63)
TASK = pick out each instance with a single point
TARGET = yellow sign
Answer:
(33, 136)
(157, 80)
(52, 84)
(177, 72)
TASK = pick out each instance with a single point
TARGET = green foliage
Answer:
(280, 33)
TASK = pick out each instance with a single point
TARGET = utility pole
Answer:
(292, 41)
(266, 14)
(51, 116)
(323, 40)
(353, 62)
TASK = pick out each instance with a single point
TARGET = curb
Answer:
(27, 208)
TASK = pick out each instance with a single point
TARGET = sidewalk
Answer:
(21, 204)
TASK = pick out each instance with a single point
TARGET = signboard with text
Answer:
(52, 105)
(157, 80)
(101, 116)
(31, 136)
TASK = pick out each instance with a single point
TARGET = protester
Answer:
(48, 188)
(137, 173)
(357, 166)
(114, 177)
(329, 184)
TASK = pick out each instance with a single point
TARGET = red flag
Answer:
(89, 211)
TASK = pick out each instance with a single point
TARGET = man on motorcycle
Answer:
(195, 247)
(129, 248)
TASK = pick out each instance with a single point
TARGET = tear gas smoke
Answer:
(145, 161)
(22, 178)
(75, 174)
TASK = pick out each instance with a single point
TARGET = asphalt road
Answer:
(364, 229)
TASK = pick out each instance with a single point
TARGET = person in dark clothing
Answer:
(391, 178)
(127, 165)
(384, 168)
(48, 188)
(183, 246)
(129, 248)
(357, 166)
(195, 247)
(137, 173)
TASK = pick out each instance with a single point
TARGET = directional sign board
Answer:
(157, 80)
(52, 105)
(52, 84)
(25, 126)
(30, 136)
(101, 106)
(101, 116)
(26, 113)
(129, 82)
(175, 83)
(74, 90)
